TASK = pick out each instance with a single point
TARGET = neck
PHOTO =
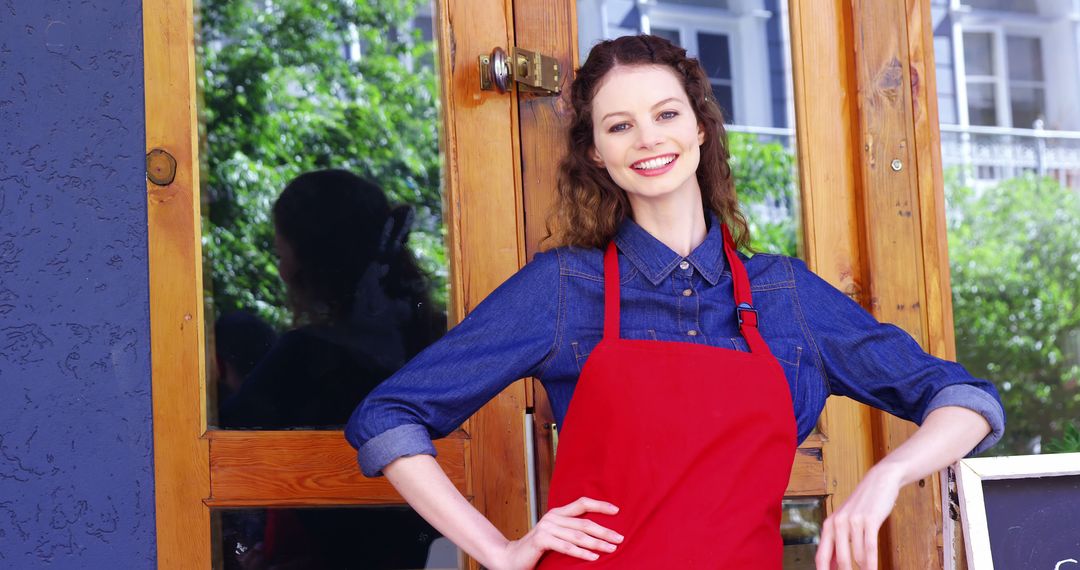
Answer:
(678, 222)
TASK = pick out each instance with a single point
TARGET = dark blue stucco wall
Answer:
(76, 455)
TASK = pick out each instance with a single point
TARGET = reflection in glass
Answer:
(360, 302)
(800, 526)
(745, 49)
(371, 538)
(319, 292)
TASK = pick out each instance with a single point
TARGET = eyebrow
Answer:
(660, 104)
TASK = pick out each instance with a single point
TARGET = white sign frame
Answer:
(970, 473)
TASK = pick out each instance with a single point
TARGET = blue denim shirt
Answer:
(545, 319)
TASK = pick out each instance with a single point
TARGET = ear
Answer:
(700, 135)
(594, 155)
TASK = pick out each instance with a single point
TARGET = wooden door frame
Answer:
(196, 468)
(849, 132)
(874, 232)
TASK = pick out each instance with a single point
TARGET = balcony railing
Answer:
(987, 155)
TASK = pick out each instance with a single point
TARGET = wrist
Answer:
(494, 555)
(896, 470)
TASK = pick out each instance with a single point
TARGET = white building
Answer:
(1008, 73)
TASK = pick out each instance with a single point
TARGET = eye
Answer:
(618, 128)
(667, 115)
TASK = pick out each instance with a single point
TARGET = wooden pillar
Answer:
(826, 124)
(484, 216)
(181, 474)
(902, 211)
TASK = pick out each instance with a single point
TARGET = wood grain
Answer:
(826, 123)
(256, 468)
(895, 190)
(181, 473)
(940, 332)
(808, 471)
(486, 227)
(551, 29)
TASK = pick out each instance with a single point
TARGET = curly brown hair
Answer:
(589, 205)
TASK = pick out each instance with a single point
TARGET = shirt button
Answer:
(687, 293)
(684, 265)
(691, 332)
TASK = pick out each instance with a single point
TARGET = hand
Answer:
(853, 528)
(562, 531)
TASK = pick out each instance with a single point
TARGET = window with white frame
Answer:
(742, 45)
(711, 36)
(714, 51)
(1004, 77)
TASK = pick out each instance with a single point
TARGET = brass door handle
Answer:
(533, 71)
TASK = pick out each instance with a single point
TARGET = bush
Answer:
(1015, 258)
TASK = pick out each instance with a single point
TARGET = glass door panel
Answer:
(317, 291)
(324, 257)
(334, 538)
(800, 527)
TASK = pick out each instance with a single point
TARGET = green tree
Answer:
(765, 181)
(284, 92)
(1015, 258)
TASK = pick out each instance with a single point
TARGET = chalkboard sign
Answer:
(1021, 512)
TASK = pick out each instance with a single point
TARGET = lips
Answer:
(656, 165)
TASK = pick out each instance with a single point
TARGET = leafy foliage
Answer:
(284, 91)
(764, 175)
(1015, 259)
(1069, 442)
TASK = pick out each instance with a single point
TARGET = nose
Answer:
(648, 135)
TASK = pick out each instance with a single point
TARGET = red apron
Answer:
(693, 443)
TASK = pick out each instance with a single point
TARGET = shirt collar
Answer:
(656, 260)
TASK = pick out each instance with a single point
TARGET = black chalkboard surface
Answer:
(1021, 512)
(1034, 523)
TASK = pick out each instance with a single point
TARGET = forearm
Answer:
(947, 434)
(430, 492)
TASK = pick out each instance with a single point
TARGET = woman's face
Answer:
(646, 134)
(286, 259)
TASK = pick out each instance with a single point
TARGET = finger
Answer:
(549, 542)
(824, 555)
(871, 546)
(858, 539)
(586, 505)
(588, 526)
(843, 544)
(581, 539)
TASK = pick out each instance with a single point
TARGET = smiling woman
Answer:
(712, 462)
(652, 132)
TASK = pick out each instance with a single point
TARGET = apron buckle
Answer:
(744, 308)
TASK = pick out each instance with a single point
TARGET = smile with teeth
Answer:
(654, 163)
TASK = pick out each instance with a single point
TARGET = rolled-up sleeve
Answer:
(881, 365)
(510, 335)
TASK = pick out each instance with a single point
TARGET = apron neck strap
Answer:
(744, 305)
(611, 292)
(744, 302)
